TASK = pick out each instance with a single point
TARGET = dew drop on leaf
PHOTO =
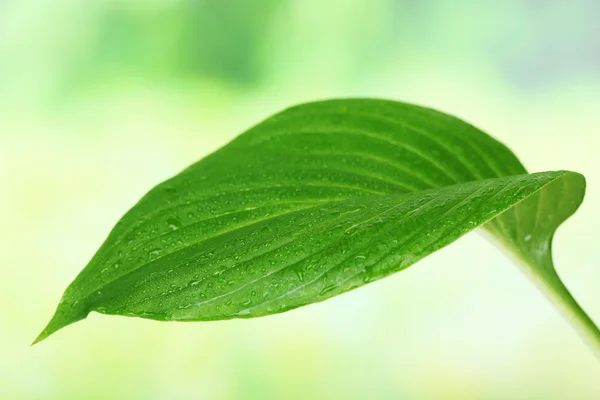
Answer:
(154, 253)
(174, 224)
(327, 289)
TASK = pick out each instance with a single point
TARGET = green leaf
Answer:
(317, 200)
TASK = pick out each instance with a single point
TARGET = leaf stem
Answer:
(559, 295)
(542, 273)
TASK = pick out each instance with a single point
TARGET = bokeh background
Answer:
(101, 100)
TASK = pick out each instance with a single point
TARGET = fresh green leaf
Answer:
(317, 200)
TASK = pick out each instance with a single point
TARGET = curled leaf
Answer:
(317, 200)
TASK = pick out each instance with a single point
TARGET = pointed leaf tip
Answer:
(65, 314)
(43, 335)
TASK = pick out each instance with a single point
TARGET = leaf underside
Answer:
(317, 200)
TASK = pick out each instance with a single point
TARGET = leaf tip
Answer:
(66, 314)
(40, 337)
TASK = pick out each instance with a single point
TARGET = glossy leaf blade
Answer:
(315, 201)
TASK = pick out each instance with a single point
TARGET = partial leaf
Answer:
(318, 200)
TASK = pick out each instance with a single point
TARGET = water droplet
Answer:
(174, 224)
(328, 289)
(527, 238)
(154, 253)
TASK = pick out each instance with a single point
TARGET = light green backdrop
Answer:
(100, 100)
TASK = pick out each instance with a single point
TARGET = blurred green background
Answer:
(101, 100)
